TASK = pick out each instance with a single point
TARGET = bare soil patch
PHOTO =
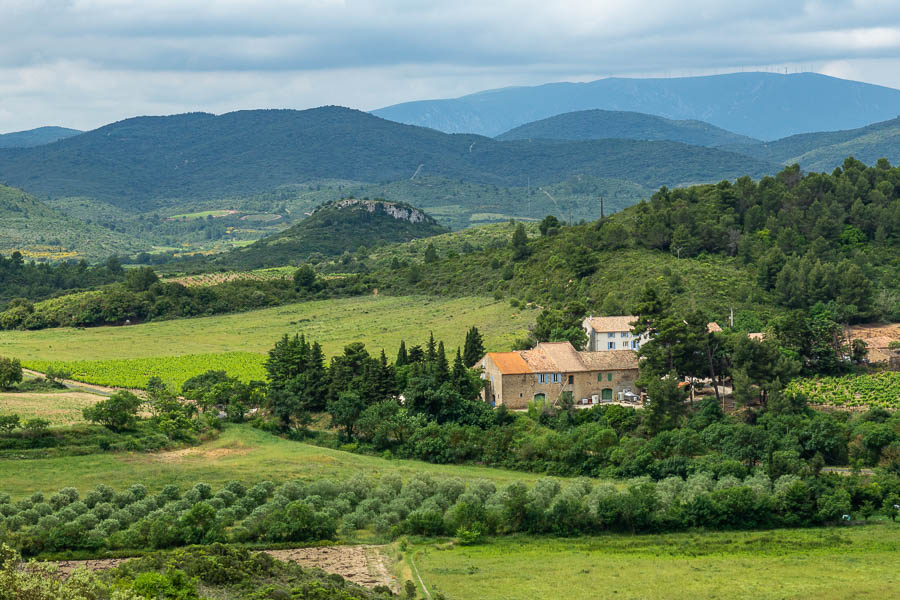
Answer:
(206, 453)
(365, 565)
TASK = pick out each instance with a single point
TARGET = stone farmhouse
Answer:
(514, 379)
(611, 333)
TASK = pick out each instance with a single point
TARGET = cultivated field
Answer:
(240, 453)
(875, 389)
(833, 563)
(379, 322)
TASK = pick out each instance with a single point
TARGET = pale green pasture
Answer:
(378, 321)
(821, 563)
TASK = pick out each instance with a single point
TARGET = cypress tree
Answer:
(402, 359)
(474, 347)
(441, 368)
(430, 352)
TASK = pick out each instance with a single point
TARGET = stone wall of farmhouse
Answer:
(516, 391)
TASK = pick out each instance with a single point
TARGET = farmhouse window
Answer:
(609, 376)
(599, 376)
(611, 346)
(611, 334)
(556, 378)
(571, 379)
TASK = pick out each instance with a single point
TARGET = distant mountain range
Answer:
(819, 151)
(765, 106)
(599, 124)
(145, 162)
(35, 137)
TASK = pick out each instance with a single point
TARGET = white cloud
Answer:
(83, 63)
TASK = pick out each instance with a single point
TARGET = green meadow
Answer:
(378, 321)
(239, 453)
(833, 563)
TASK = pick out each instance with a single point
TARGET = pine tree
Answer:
(474, 347)
(520, 243)
(386, 378)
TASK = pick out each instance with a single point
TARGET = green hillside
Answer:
(35, 137)
(823, 151)
(42, 233)
(599, 124)
(337, 227)
(147, 162)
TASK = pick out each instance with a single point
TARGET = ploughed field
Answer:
(129, 355)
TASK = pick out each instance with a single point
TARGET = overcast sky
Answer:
(85, 63)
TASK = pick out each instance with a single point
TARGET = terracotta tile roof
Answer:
(510, 363)
(757, 336)
(611, 360)
(607, 324)
(561, 357)
(713, 327)
(538, 360)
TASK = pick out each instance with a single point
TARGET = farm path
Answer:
(363, 564)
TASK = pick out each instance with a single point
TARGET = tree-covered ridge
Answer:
(599, 124)
(825, 150)
(336, 227)
(35, 137)
(36, 281)
(145, 161)
(40, 232)
(810, 238)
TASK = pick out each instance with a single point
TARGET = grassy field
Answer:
(379, 322)
(822, 563)
(240, 453)
(60, 408)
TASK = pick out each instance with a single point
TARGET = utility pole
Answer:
(601, 207)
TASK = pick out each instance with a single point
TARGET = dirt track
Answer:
(365, 565)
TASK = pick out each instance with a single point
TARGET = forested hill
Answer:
(765, 106)
(38, 231)
(35, 137)
(599, 124)
(144, 161)
(789, 242)
(335, 228)
(825, 150)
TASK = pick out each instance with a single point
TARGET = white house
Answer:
(612, 333)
